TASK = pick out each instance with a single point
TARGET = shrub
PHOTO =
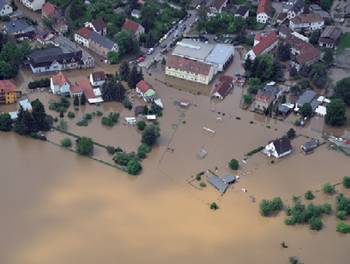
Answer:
(121, 158)
(127, 104)
(309, 195)
(346, 181)
(343, 228)
(267, 208)
(88, 116)
(70, 115)
(111, 120)
(106, 121)
(99, 113)
(233, 164)
(134, 167)
(45, 82)
(84, 146)
(150, 135)
(214, 206)
(291, 133)
(315, 223)
(328, 188)
(110, 150)
(141, 125)
(343, 203)
(203, 184)
(82, 122)
(62, 125)
(341, 215)
(66, 143)
(142, 150)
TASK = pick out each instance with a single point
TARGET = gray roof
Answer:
(314, 104)
(331, 32)
(228, 179)
(193, 49)
(18, 26)
(220, 54)
(310, 145)
(217, 183)
(2, 3)
(306, 97)
(101, 40)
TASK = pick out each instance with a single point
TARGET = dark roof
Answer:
(297, 6)
(306, 97)
(99, 24)
(267, 93)
(18, 26)
(330, 32)
(2, 3)
(139, 109)
(242, 10)
(101, 40)
(45, 57)
(228, 179)
(282, 145)
(217, 183)
(223, 88)
(98, 76)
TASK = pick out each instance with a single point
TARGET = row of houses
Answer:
(60, 85)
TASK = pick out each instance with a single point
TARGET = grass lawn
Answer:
(344, 42)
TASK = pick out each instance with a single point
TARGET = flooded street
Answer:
(58, 207)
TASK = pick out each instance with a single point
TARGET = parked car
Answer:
(150, 51)
(140, 59)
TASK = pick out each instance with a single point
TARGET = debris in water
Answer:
(244, 190)
(284, 245)
(209, 130)
(238, 118)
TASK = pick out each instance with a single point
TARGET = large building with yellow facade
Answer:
(8, 92)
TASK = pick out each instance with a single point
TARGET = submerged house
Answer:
(278, 148)
(59, 84)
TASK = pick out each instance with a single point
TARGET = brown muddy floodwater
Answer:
(58, 207)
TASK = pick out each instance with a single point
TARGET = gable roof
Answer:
(218, 183)
(307, 18)
(98, 76)
(265, 7)
(265, 42)
(48, 9)
(85, 32)
(7, 86)
(267, 93)
(131, 25)
(242, 10)
(217, 4)
(331, 32)
(59, 79)
(99, 24)
(18, 26)
(223, 88)
(84, 86)
(101, 40)
(282, 145)
(143, 86)
(188, 65)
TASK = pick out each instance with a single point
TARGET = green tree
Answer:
(291, 133)
(25, 123)
(126, 43)
(341, 215)
(83, 99)
(66, 143)
(328, 56)
(5, 122)
(326, 4)
(283, 52)
(346, 182)
(336, 111)
(306, 110)
(113, 57)
(133, 77)
(39, 115)
(113, 90)
(343, 228)
(315, 223)
(76, 101)
(84, 146)
(309, 195)
(121, 158)
(141, 125)
(248, 99)
(328, 188)
(214, 206)
(233, 164)
(124, 71)
(134, 167)
(150, 135)
(342, 90)
(314, 37)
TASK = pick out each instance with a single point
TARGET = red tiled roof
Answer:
(143, 86)
(225, 78)
(7, 86)
(59, 79)
(84, 32)
(83, 85)
(264, 7)
(308, 55)
(188, 65)
(265, 42)
(307, 18)
(48, 9)
(223, 88)
(131, 25)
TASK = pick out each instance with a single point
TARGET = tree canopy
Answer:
(336, 110)
(342, 90)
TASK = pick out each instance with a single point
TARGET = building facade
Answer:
(34, 5)
(8, 92)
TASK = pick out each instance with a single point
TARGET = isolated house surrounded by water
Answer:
(278, 148)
